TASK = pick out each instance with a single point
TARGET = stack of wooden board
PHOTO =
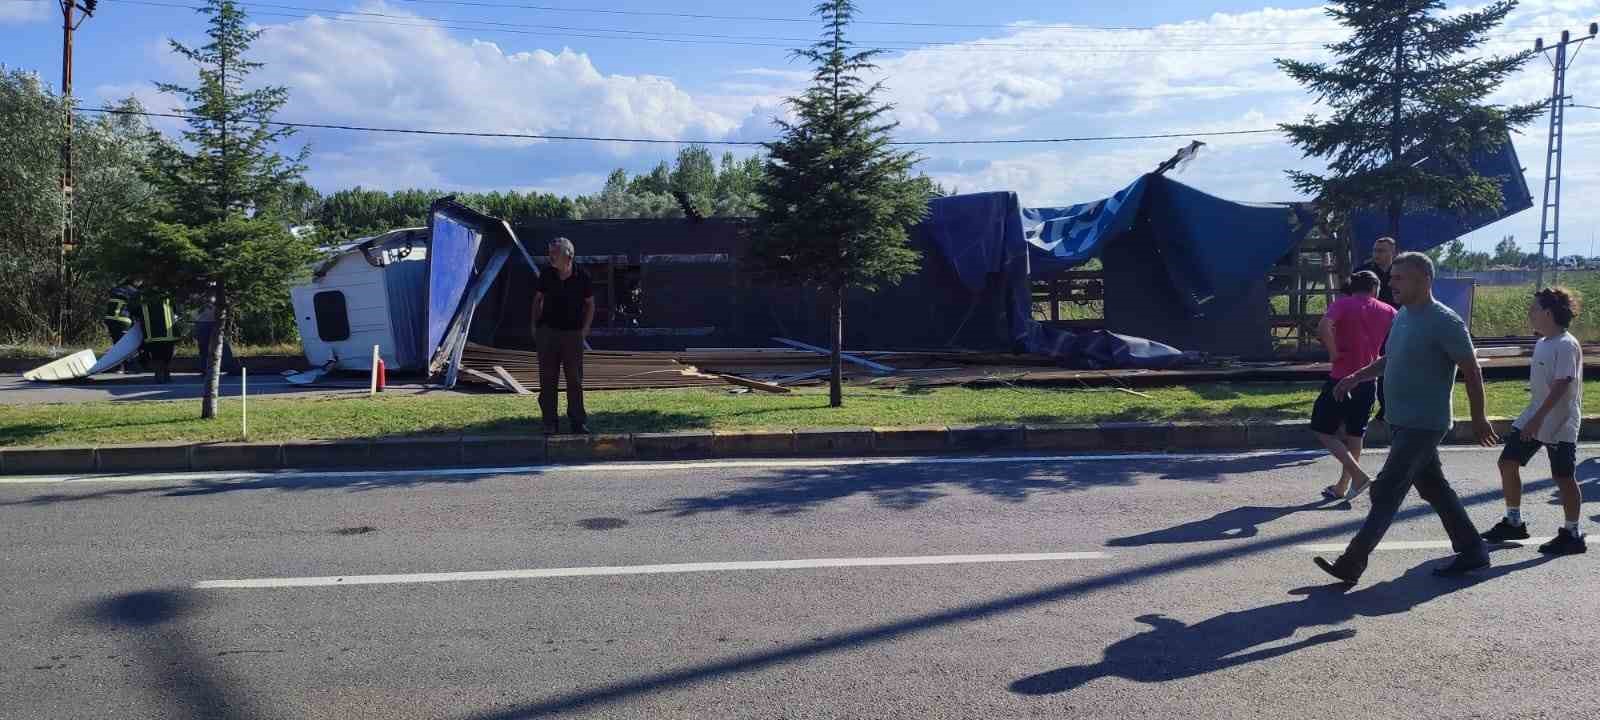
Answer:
(602, 370)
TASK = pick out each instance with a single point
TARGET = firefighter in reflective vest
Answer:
(117, 319)
(160, 338)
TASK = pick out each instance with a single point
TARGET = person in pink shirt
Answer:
(1353, 330)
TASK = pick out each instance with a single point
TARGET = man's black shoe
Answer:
(1504, 532)
(1565, 544)
(552, 429)
(1462, 565)
(1343, 573)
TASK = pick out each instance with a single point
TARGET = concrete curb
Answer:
(513, 450)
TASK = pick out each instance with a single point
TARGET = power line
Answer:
(806, 40)
(855, 21)
(341, 16)
(978, 46)
(664, 141)
(333, 15)
(754, 18)
(1020, 25)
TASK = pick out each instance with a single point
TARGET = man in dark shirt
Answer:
(1382, 258)
(563, 310)
(1383, 251)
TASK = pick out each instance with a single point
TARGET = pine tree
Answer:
(837, 198)
(220, 241)
(1405, 87)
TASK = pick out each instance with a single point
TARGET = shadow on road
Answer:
(900, 487)
(154, 626)
(1236, 524)
(1588, 475)
(288, 481)
(1173, 650)
(871, 635)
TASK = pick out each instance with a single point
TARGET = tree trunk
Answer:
(1396, 141)
(209, 400)
(835, 367)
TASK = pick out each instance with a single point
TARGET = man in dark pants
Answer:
(117, 319)
(1427, 344)
(160, 337)
(563, 310)
(1383, 250)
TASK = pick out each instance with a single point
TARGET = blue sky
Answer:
(972, 70)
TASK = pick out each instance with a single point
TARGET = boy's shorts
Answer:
(1563, 455)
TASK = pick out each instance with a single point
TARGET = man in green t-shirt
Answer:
(1427, 344)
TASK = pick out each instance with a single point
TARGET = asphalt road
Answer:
(1176, 586)
(184, 386)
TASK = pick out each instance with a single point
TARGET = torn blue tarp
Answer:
(1069, 236)
(981, 240)
(1102, 350)
(452, 257)
(1422, 229)
(979, 237)
(1212, 248)
(1216, 249)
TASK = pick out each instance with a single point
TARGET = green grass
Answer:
(661, 410)
(42, 351)
(1500, 311)
(1091, 310)
(188, 349)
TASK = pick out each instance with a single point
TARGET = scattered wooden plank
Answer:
(753, 384)
(492, 380)
(511, 382)
(879, 368)
(802, 376)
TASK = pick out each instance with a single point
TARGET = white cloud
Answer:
(381, 164)
(1100, 74)
(424, 77)
(152, 99)
(25, 12)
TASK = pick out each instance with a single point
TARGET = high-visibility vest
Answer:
(156, 315)
(117, 311)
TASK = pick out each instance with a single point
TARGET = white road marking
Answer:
(259, 583)
(1423, 544)
(653, 467)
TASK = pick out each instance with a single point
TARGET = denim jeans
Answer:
(1413, 460)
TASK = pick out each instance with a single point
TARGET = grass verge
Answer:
(667, 410)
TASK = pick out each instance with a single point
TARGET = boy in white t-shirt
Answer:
(1551, 421)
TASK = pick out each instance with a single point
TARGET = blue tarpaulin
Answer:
(1216, 249)
(1427, 229)
(452, 252)
(1457, 294)
(1211, 246)
(1065, 237)
(981, 237)
(1213, 253)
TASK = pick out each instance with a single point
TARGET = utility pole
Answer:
(1550, 213)
(68, 230)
